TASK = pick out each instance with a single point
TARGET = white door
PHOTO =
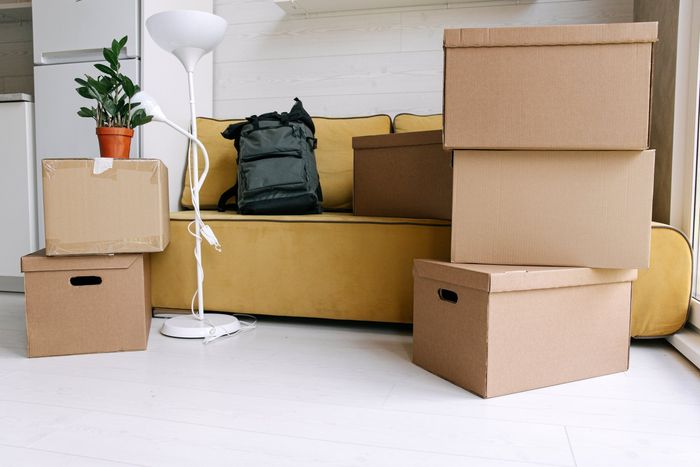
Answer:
(60, 132)
(77, 30)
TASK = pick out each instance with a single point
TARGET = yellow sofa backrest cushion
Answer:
(334, 158)
(334, 154)
(404, 123)
(222, 164)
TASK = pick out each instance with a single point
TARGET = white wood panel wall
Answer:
(344, 64)
(16, 67)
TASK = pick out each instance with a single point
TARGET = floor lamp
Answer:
(189, 35)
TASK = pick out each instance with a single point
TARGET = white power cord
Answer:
(246, 326)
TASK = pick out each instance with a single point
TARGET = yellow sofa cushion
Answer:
(334, 158)
(404, 123)
(661, 294)
(332, 265)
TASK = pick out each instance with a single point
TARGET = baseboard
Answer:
(687, 342)
(11, 284)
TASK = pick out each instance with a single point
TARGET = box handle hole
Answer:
(80, 281)
(447, 295)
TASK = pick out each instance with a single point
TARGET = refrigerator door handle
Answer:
(77, 56)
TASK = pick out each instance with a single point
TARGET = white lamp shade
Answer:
(187, 34)
(149, 105)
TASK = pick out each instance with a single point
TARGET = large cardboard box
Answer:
(86, 304)
(553, 208)
(105, 206)
(496, 330)
(550, 87)
(402, 175)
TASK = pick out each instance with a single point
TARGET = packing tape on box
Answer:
(149, 244)
(100, 165)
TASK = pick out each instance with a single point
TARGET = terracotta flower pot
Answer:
(114, 142)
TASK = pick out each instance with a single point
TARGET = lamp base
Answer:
(189, 327)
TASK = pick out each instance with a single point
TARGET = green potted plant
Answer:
(112, 112)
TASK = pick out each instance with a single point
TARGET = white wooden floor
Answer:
(307, 393)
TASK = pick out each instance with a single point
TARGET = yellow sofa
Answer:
(333, 265)
(336, 265)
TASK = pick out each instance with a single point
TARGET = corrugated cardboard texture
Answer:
(402, 175)
(65, 319)
(558, 87)
(547, 208)
(543, 337)
(121, 210)
(504, 342)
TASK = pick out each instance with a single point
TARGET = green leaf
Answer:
(129, 87)
(108, 83)
(81, 82)
(139, 118)
(85, 92)
(98, 86)
(122, 41)
(122, 106)
(115, 47)
(87, 113)
(110, 107)
(111, 58)
(105, 69)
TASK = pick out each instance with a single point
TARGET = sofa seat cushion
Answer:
(331, 265)
(334, 158)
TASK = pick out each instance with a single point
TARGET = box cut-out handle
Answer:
(80, 281)
(447, 295)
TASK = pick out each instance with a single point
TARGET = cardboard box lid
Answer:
(493, 278)
(100, 165)
(414, 138)
(578, 34)
(39, 262)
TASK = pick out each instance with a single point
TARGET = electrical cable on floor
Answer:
(248, 323)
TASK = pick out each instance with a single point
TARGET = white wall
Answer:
(358, 63)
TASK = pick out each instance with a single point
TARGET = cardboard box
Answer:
(86, 304)
(496, 330)
(550, 87)
(105, 206)
(553, 208)
(402, 175)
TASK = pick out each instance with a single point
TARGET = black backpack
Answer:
(276, 164)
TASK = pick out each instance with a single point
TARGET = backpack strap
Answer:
(225, 196)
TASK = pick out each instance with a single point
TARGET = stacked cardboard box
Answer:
(89, 290)
(552, 181)
(414, 165)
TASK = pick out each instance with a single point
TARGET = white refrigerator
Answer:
(68, 39)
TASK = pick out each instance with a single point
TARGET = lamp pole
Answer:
(195, 196)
